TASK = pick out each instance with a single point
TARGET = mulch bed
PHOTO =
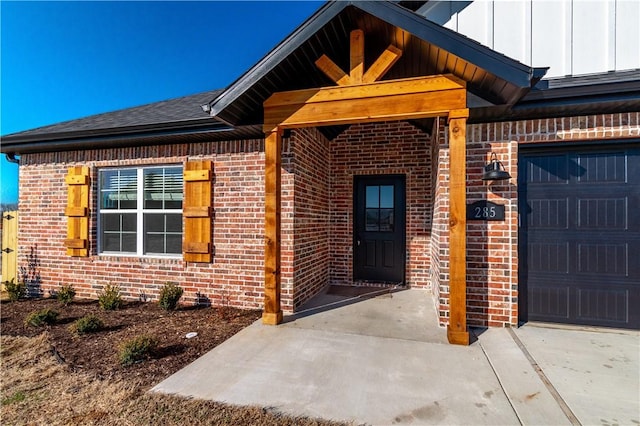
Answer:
(97, 353)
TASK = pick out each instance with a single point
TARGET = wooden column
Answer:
(272, 314)
(457, 329)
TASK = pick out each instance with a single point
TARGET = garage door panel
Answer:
(603, 305)
(548, 169)
(580, 236)
(548, 257)
(603, 259)
(548, 213)
(602, 212)
(546, 302)
(602, 167)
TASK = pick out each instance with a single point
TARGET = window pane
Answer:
(154, 243)
(129, 242)
(163, 188)
(118, 189)
(173, 188)
(118, 232)
(174, 244)
(162, 233)
(372, 220)
(153, 188)
(386, 219)
(386, 196)
(373, 197)
(153, 223)
(129, 222)
(110, 222)
(174, 223)
(110, 242)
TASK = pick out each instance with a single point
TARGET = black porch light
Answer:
(495, 169)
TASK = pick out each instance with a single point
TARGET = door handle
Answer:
(358, 243)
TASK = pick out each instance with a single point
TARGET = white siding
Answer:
(572, 37)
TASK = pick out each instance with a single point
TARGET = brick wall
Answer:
(317, 210)
(236, 275)
(375, 149)
(311, 219)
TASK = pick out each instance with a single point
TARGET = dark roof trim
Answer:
(148, 129)
(602, 93)
(457, 44)
(110, 137)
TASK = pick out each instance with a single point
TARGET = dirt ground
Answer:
(51, 375)
(97, 353)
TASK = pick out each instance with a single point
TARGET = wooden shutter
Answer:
(197, 212)
(77, 212)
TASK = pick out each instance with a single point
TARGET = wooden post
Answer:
(272, 314)
(457, 329)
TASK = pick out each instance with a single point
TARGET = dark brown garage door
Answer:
(579, 239)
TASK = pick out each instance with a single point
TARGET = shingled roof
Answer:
(185, 109)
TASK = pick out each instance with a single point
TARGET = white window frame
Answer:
(139, 211)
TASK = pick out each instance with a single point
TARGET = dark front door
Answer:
(379, 228)
(580, 236)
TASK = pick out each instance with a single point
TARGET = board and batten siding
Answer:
(572, 37)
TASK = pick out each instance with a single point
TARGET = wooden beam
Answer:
(272, 314)
(457, 329)
(382, 88)
(356, 56)
(383, 64)
(363, 109)
(331, 70)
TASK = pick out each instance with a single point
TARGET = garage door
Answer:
(579, 239)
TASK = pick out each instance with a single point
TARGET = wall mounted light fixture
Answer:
(495, 169)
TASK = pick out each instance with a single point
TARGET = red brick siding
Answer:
(317, 213)
(236, 275)
(311, 223)
(382, 148)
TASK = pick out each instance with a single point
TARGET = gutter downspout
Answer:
(11, 157)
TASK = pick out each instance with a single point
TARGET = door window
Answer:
(379, 208)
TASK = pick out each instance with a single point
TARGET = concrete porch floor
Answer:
(383, 360)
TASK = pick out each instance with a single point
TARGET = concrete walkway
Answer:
(384, 360)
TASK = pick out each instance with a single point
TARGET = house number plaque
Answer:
(485, 210)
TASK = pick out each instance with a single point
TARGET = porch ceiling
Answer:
(427, 48)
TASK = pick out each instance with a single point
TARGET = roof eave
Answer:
(457, 44)
(74, 140)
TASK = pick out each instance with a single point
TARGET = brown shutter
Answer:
(196, 211)
(77, 212)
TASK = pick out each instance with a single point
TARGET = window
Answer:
(140, 211)
(379, 208)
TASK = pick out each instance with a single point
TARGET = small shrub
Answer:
(88, 324)
(39, 318)
(66, 294)
(109, 299)
(169, 296)
(16, 290)
(137, 349)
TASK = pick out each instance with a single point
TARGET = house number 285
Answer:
(485, 212)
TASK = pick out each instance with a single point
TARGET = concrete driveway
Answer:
(383, 360)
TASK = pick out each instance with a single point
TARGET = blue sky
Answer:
(66, 60)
